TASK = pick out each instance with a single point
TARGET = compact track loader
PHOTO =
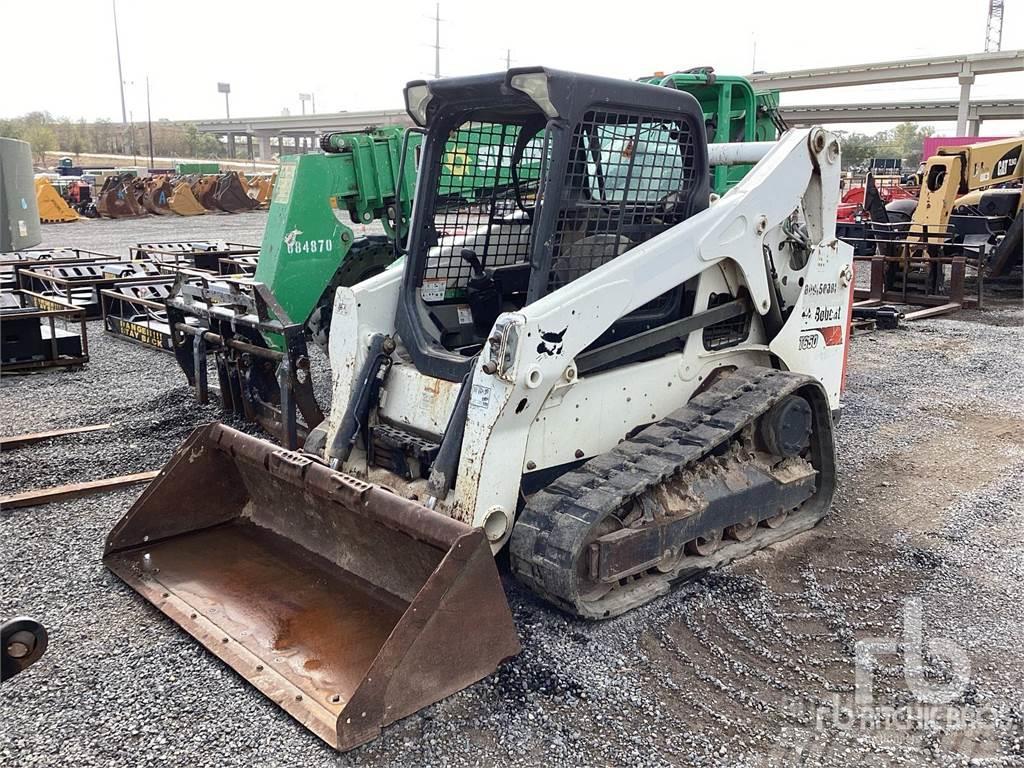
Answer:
(622, 378)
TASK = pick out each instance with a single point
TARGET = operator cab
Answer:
(528, 180)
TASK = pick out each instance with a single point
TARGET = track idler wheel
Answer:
(705, 546)
(786, 428)
(741, 531)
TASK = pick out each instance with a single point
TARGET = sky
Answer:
(358, 55)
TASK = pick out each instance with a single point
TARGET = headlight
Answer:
(417, 97)
(535, 85)
(502, 347)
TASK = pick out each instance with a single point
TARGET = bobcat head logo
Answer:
(289, 238)
(551, 343)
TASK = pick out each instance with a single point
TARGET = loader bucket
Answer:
(347, 605)
(118, 199)
(53, 209)
(260, 189)
(183, 202)
(230, 194)
(203, 190)
(156, 194)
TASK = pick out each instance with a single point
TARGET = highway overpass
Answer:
(297, 133)
(965, 68)
(918, 112)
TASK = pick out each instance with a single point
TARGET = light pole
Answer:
(149, 120)
(120, 75)
(225, 88)
(304, 97)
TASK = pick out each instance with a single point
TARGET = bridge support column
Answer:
(265, 150)
(966, 79)
(231, 145)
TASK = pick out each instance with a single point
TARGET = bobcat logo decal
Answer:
(551, 343)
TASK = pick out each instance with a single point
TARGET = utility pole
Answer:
(131, 123)
(120, 75)
(149, 120)
(437, 41)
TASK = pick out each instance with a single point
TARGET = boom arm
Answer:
(954, 171)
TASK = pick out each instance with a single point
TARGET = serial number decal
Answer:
(821, 289)
(315, 245)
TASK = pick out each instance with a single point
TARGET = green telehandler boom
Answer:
(256, 329)
(733, 112)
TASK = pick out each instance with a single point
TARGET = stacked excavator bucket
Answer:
(203, 189)
(126, 196)
(261, 188)
(156, 195)
(183, 202)
(230, 194)
(120, 198)
(53, 208)
(284, 569)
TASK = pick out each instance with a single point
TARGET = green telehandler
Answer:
(257, 329)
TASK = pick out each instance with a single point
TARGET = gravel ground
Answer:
(751, 667)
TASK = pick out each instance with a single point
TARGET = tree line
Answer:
(905, 141)
(47, 133)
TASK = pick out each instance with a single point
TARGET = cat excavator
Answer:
(601, 367)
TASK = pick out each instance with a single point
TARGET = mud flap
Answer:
(347, 605)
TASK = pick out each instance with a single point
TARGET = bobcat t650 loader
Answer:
(601, 366)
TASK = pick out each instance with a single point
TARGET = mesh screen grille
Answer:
(477, 205)
(623, 178)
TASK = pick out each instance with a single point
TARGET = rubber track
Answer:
(554, 525)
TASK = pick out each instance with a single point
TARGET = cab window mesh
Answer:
(479, 205)
(626, 181)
